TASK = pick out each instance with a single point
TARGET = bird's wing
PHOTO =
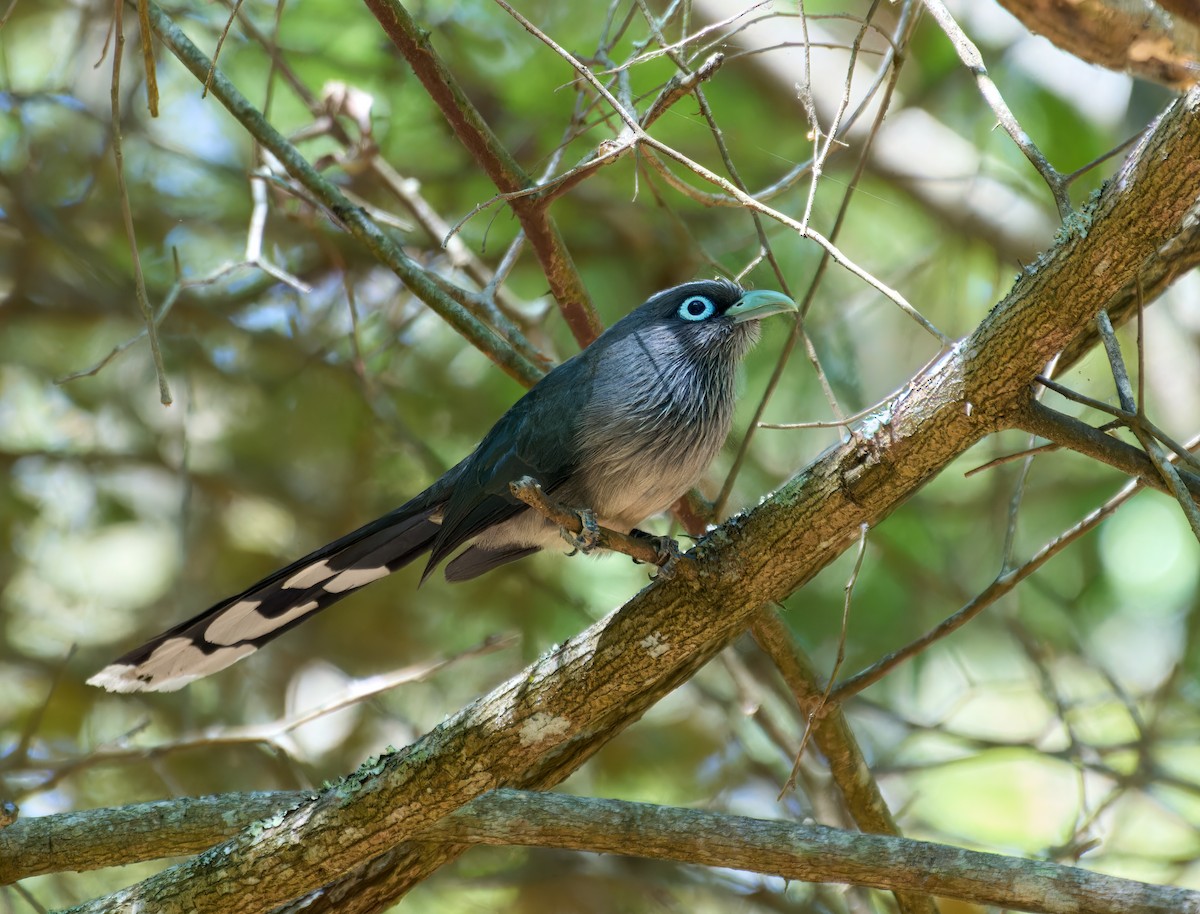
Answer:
(535, 438)
(476, 560)
(241, 624)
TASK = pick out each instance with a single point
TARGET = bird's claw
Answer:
(588, 537)
(667, 549)
(669, 555)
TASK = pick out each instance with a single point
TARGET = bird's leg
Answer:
(588, 537)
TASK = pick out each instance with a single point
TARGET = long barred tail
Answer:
(240, 625)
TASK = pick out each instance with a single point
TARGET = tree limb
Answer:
(83, 840)
(1140, 37)
(811, 853)
(1038, 419)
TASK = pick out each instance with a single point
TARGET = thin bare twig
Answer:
(169, 299)
(882, 406)
(817, 708)
(275, 733)
(835, 739)
(1018, 492)
(609, 151)
(1104, 157)
(502, 169)
(799, 332)
(689, 39)
(237, 5)
(822, 150)
(1009, 458)
(1004, 583)
(146, 36)
(1169, 474)
(356, 222)
(729, 187)
(679, 86)
(1125, 417)
(139, 280)
(12, 6)
(494, 304)
(254, 236)
(969, 54)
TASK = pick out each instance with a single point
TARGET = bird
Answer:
(623, 429)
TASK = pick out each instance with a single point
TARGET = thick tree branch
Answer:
(806, 852)
(541, 725)
(811, 853)
(83, 840)
(1142, 38)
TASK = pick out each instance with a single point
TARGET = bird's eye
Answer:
(696, 308)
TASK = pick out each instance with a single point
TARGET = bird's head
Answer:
(706, 318)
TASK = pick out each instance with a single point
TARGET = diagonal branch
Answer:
(973, 61)
(502, 169)
(1038, 419)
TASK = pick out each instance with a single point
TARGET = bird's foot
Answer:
(588, 537)
(668, 552)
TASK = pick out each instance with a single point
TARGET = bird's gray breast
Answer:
(657, 414)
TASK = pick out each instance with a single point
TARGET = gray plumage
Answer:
(624, 428)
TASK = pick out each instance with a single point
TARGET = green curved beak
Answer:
(754, 306)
